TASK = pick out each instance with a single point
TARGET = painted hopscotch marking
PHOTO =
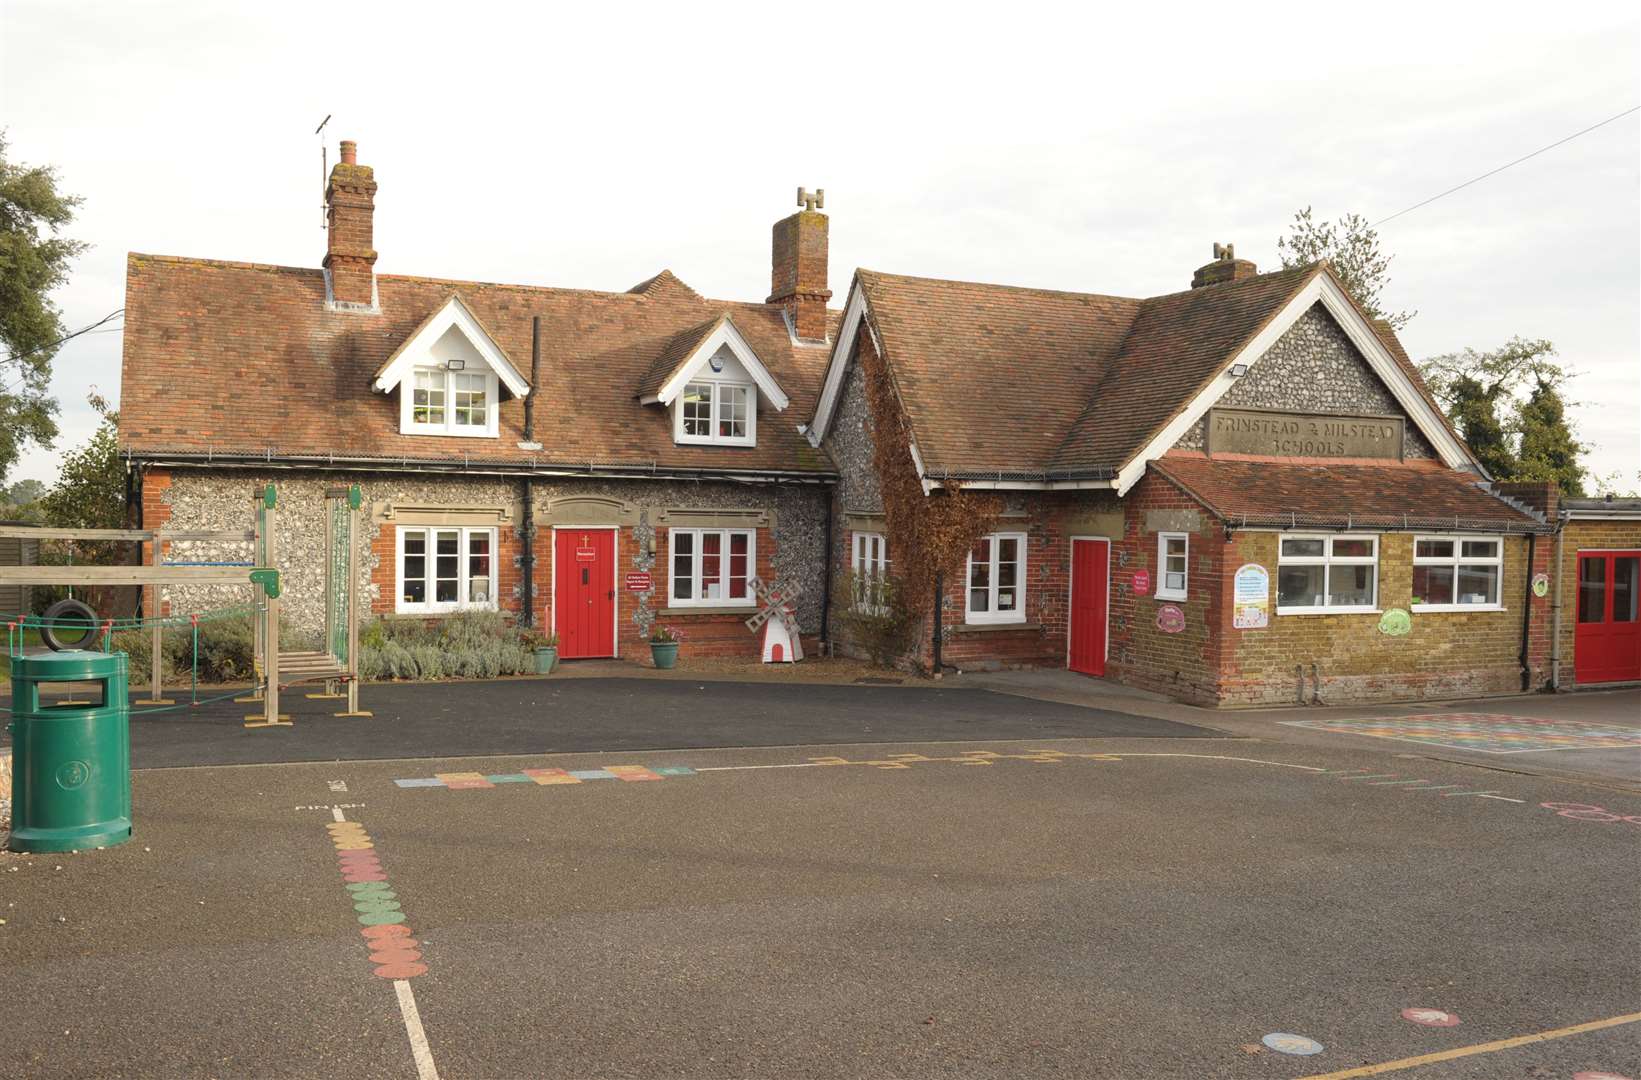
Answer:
(1486, 733)
(392, 948)
(1479, 1048)
(475, 781)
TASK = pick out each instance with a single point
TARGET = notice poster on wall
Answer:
(1251, 597)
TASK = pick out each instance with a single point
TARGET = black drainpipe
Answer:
(1527, 613)
(939, 601)
(528, 563)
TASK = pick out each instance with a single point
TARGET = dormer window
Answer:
(450, 374)
(716, 412)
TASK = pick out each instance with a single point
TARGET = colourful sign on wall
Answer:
(1251, 590)
(1541, 585)
(638, 581)
(1395, 622)
(1142, 583)
(1170, 619)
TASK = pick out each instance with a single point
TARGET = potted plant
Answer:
(664, 646)
(546, 650)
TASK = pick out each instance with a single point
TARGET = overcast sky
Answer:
(591, 145)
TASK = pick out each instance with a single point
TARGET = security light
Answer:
(1238, 370)
(455, 365)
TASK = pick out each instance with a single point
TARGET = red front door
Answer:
(1607, 641)
(1090, 573)
(584, 592)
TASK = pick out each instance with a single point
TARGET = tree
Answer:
(1474, 411)
(1548, 449)
(1351, 247)
(21, 501)
(34, 260)
(90, 490)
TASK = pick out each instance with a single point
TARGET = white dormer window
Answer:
(446, 402)
(450, 374)
(709, 411)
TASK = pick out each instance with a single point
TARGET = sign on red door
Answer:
(1607, 638)
(1090, 583)
(584, 592)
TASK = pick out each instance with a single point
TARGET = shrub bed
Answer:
(468, 645)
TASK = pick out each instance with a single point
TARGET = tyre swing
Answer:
(61, 619)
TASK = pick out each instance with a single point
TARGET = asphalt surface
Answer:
(1083, 917)
(538, 716)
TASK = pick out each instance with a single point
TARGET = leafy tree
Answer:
(34, 260)
(1548, 449)
(21, 501)
(1351, 247)
(90, 490)
(1474, 411)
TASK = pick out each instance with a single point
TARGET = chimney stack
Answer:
(350, 198)
(1225, 267)
(797, 272)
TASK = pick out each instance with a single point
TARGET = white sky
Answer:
(592, 145)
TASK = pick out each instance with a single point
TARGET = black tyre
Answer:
(78, 631)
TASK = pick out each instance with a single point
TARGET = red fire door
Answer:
(1090, 573)
(584, 592)
(1607, 641)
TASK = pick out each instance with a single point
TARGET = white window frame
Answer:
(407, 407)
(1456, 561)
(868, 561)
(749, 600)
(1163, 592)
(1018, 615)
(717, 397)
(1328, 560)
(463, 580)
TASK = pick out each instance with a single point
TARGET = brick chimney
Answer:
(351, 201)
(797, 274)
(1225, 267)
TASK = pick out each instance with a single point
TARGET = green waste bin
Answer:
(71, 777)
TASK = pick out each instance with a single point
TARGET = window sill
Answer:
(436, 613)
(1438, 609)
(708, 609)
(990, 627)
(450, 432)
(1173, 598)
(1330, 611)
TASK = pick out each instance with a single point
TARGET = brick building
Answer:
(1239, 493)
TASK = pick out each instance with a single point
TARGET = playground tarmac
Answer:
(538, 716)
(1107, 908)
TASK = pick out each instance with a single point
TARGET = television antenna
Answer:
(324, 168)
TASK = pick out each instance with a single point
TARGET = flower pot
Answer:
(546, 659)
(664, 653)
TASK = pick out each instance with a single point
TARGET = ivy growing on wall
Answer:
(927, 533)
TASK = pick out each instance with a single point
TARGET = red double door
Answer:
(1090, 585)
(1607, 638)
(584, 592)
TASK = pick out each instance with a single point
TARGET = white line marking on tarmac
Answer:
(1369, 776)
(425, 1069)
(1224, 757)
(1500, 798)
(1394, 783)
(336, 812)
(1460, 794)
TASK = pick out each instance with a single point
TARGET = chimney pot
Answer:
(1225, 267)
(350, 152)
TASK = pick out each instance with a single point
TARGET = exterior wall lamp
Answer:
(1238, 370)
(455, 365)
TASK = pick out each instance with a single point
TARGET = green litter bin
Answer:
(71, 775)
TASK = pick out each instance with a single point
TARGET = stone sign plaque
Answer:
(1280, 434)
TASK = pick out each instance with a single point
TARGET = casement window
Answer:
(869, 561)
(1457, 573)
(1173, 565)
(710, 567)
(710, 411)
(997, 580)
(1327, 574)
(445, 402)
(445, 569)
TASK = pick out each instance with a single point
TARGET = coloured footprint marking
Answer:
(393, 951)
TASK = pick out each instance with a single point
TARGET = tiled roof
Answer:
(673, 354)
(992, 376)
(243, 358)
(1412, 495)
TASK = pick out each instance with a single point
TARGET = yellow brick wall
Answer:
(1585, 536)
(1445, 654)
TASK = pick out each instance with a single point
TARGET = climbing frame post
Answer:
(355, 501)
(156, 643)
(271, 716)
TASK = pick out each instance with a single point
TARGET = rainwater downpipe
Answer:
(1527, 614)
(527, 519)
(939, 602)
(1555, 608)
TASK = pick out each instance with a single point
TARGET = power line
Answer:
(66, 337)
(1501, 168)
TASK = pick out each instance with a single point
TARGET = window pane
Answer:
(683, 565)
(1481, 549)
(732, 412)
(1592, 590)
(1478, 584)
(1352, 549)
(698, 409)
(1626, 570)
(1433, 584)
(1173, 580)
(979, 600)
(446, 565)
(1299, 586)
(478, 568)
(739, 545)
(427, 400)
(471, 408)
(1350, 586)
(980, 565)
(1303, 548)
(712, 584)
(1433, 549)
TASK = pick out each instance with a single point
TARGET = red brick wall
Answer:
(798, 271)
(1582, 536)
